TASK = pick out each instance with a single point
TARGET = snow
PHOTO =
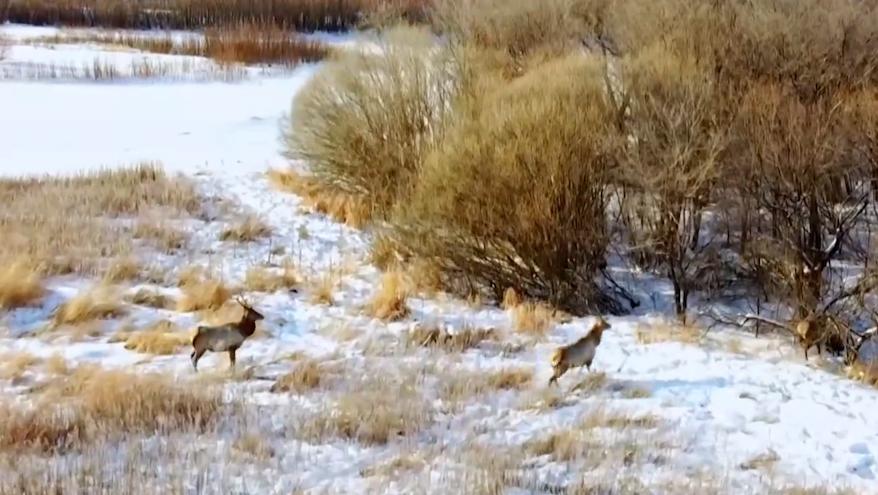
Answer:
(724, 406)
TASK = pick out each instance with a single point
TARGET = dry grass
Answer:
(20, 285)
(261, 279)
(107, 404)
(866, 372)
(14, 365)
(201, 292)
(61, 225)
(459, 341)
(343, 207)
(592, 382)
(249, 229)
(375, 411)
(253, 445)
(56, 365)
(535, 318)
(152, 298)
(458, 387)
(97, 303)
(389, 301)
(322, 286)
(511, 299)
(663, 331)
(304, 377)
(123, 270)
(160, 338)
(161, 235)
(307, 15)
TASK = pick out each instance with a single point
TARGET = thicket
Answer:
(720, 145)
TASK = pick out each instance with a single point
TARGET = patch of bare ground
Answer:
(58, 225)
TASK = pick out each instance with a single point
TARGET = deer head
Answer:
(249, 312)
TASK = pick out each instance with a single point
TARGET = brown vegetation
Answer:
(389, 301)
(201, 292)
(248, 229)
(161, 338)
(458, 341)
(20, 286)
(261, 279)
(326, 15)
(92, 304)
(64, 224)
(340, 206)
(304, 377)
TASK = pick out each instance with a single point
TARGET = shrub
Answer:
(365, 123)
(514, 196)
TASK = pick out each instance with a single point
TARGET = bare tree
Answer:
(670, 163)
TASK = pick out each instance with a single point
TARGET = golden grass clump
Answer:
(511, 299)
(664, 331)
(866, 372)
(201, 292)
(249, 229)
(304, 377)
(108, 404)
(389, 301)
(161, 235)
(66, 224)
(123, 270)
(14, 365)
(97, 303)
(322, 287)
(342, 207)
(535, 318)
(261, 279)
(161, 338)
(373, 413)
(152, 298)
(457, 387)
(253, 445)
(459, 341)
(20, 286)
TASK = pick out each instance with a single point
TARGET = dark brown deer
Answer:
(225, 338)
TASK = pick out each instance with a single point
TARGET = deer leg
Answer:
(195, 356)
(806, 352)
(232, 357)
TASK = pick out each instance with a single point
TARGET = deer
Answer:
(225, 338)
(578, 354)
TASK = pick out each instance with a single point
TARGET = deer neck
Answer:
(246, 326)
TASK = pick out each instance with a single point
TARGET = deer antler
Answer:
(242, 303)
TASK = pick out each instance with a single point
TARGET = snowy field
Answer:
(664, 410)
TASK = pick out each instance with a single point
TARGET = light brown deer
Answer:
(225, 338)
(579, 353)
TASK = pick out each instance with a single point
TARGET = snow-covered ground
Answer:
(720, 404)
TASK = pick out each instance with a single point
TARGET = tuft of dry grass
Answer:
(108, 404)
(62, 225)
(663, 331)
(56, 365)
(261, 279)
(322, 287)
(253, 445)
(14, 365)
(460, 341)
(20, 285)
(457, 387)
(374, 412)
(304, 377)
(343, 207)
(592, 382)
(511, 299)
(534, 318)
(152, 298)
(866, 372)
(250, 229)
(97, 303)
(123, 270)
(160, 338)
(389, 301)
(201, 292)
(161, 235)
